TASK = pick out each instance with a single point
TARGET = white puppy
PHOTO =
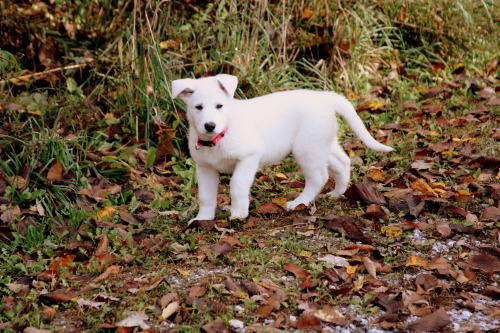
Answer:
(240, 136)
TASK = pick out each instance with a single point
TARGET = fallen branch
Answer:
(37, 76)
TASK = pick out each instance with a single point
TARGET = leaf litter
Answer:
(412, 246)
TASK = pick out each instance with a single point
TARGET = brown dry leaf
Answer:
(347, 226)
(216, 326)
(103, 245)
(484, 262)
(443, 228)
(270, 208)
(363, 192)
(491, 214)
(48, 314)
(308, 323)
(105, 260)
(442, 265)
(296, 270)
(55, 171)
(377, 211)
(330, 315)
(436, 321)
(221, 248)
(427, 281)
(10, 214)
(370, 266)
(197, 291)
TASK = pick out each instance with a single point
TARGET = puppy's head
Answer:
(208, 101)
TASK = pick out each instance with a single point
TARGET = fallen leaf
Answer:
(334, 260)
(436, 321)
(197, 291)
(370, 266)
(106, 213)
(484, 262)
(366, 193)
(391, 231)
(135, 319)
(221, 248)
(308, 323)
(55, 171)
(169, 310)
(102, 247)
(270, 208)
(296, 270)
(330, 315)
(416, 260)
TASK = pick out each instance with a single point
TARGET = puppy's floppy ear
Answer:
(227, 83)
(182, 88)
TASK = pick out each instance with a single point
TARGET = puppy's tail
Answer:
(347, 111)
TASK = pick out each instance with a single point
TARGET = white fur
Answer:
(262, 131)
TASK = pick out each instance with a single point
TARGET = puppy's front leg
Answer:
(208, 181)
(241, 181)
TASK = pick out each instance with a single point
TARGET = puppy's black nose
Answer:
(210, 126)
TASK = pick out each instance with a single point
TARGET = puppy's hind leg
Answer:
(340, 165)
(316, 175)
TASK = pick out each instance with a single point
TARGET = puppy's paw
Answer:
(334, 194)
(294, 205)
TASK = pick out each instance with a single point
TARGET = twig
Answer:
(37, 76)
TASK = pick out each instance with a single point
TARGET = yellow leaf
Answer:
(280, 176)
(306, 253)
(391, 231)
(451, 153)
(35, 113)
(109, 115)
(351, 153)
(106, 213)
(240, 294)
(423, 187)
(377, 175)
(466, 139)
(464, 254)
(168, 44)
(280, 202)
(307, 13)
(351, 270)
(416, 260)
(463, 192)
(183, 272)
(371, 105)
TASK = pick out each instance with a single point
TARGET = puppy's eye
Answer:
(199, 107)
(219, 106)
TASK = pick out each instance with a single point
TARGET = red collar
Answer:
(214, 141)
